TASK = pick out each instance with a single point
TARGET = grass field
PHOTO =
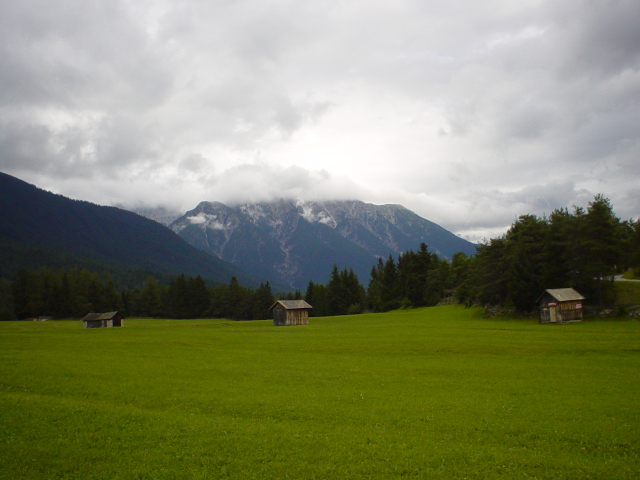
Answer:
(430, 393)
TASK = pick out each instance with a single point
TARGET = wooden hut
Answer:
(290, 312)
(99, 320)
(560, 305)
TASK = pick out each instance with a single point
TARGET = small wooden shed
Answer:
(560, 305)
(290, 312)
(99, 320)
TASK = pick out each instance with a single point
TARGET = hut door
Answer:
(552, 314)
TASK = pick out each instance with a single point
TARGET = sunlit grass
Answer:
(438, 392)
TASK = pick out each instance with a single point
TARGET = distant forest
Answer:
(581, 248)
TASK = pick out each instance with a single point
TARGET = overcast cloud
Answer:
(470, 113)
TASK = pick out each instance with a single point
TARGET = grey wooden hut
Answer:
(99, 320)
(290, 312)
(560, 305)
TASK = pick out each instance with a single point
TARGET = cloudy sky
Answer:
(469, 113)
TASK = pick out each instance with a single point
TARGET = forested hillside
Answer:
(39, 228)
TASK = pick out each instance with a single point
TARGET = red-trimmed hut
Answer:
(560, 305)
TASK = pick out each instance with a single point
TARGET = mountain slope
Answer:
(34, 220)
(292, 242)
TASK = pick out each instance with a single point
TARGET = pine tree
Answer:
(262, 301)
(316, 296)
(64, 305)
(526, 260)
(150, 299)
(460, 272)
(199, 298)
(374, 289)
(238, 300)
(178, 297)
(602, 244)
(490, 272)
(334, 291)
(390, 291)
(353, 292)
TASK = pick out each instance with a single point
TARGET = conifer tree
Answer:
(602, 244)
(334, 291)
(526, 259)
(374, 290)
(150, 305)
(238, 299)
(262, 301)
(390, 291)
(198, 297)
(316, 296)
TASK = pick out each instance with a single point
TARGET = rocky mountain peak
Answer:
(292, 242)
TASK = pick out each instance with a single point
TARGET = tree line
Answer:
(578, 248)
(76, 292)
(581, 248)
(415, 279)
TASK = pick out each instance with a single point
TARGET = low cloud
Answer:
(261, 182)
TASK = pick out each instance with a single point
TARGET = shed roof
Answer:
(100, 316)
(564, 294)
(292, 305)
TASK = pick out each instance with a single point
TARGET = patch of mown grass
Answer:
(437, 392)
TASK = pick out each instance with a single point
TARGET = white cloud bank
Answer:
(468, 113)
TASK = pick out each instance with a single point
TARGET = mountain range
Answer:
(286, 242)
(42, 229)
(292, 242)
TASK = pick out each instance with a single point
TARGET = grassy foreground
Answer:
(429, 393)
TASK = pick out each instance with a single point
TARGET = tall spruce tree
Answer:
(150, 303)
(490, 272)
(374, 290)
(603, 245)
(525, 258)
(199, 298)
(262, 300)
(317, 296)
(460, 277)
(390, 286)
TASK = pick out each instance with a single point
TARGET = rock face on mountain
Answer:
(292, 242)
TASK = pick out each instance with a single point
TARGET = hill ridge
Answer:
(60, 227)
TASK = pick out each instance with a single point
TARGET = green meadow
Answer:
(430, 393)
